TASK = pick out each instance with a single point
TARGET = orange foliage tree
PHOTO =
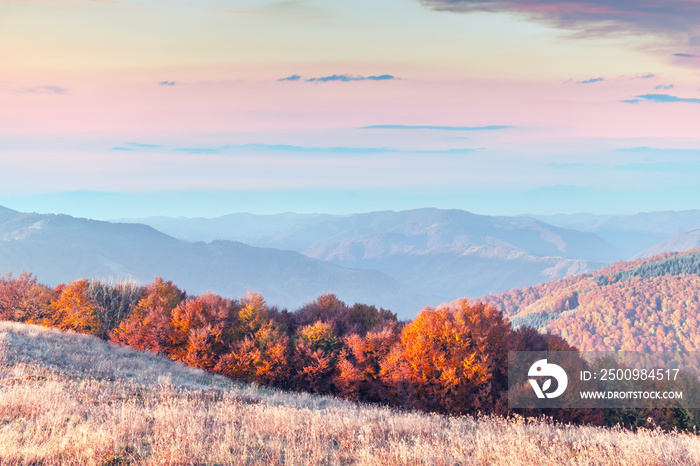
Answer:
(74, 310)
(360, 361)
(202, 329)
(258, 349)
(315, 354)
(22, 299)
(450, 360)
(148, 327)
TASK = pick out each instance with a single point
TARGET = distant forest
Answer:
(646, 305)
(677, 265)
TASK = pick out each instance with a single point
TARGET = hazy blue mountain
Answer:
(454, 276)
(631, 235)
(679, 243)
(376, 234)
(443, 254)
(60, 248)
(248, 228)
(565, 220)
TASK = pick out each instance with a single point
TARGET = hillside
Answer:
(74, 400)
(60, 248)
(681, 242)
(650, 304)
(441, 254)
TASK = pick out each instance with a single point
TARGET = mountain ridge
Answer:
(679, 243)
(302, 232)
(442, 253)
(60, 248)
(633, 235)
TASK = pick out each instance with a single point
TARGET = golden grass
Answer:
(72, 399)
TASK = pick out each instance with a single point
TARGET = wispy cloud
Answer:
(167, 83)
(694, 56)
(439, 128)
(664, 87)
(38, 90)
(591, 81)
(669, 17)
(288, 148)
(294, 77)
(314, 150)
(47, 89)
(132, 146)
(674, 166)
(340, 78)
(661, 98)
(347, 78)
(659, 150)
(644, 76)
(284, 148)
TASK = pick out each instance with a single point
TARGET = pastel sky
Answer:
(129, 108)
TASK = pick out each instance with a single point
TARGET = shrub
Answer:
(23, 300)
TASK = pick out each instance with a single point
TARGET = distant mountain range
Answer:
(442, 254)
(633, 235)
(424, 231)
(420, 231)
(402, 261)
(60, 248)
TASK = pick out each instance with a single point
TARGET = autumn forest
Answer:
(451, 359)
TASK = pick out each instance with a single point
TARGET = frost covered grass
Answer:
(72, 399)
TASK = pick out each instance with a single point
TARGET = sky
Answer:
(134, 108)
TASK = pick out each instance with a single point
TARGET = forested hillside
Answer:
(451, 360)
(649, 304)
(356, 351)
(675, 265)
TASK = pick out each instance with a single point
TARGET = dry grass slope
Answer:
(72, 399)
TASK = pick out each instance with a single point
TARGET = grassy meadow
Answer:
(67, 398)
